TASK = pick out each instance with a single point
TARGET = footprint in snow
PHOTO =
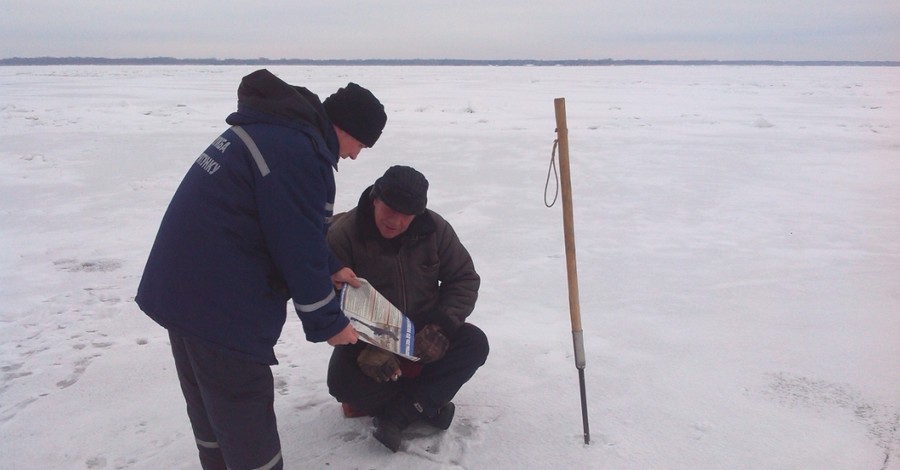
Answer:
(98, 265)
(451, 446)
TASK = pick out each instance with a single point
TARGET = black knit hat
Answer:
(403, 189)
(358, 112)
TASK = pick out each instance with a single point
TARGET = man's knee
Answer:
(342, 379)
(474, 341)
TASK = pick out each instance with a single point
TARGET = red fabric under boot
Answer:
(350, 412)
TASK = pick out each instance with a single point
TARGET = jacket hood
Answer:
(263, 91)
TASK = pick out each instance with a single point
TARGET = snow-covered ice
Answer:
(738, 246)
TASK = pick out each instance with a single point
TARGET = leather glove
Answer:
(378, 364)
(430, 344)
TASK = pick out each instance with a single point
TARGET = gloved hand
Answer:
(430, 343)
(378, 364)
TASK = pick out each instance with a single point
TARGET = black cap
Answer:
(403, 189)
(358, 112)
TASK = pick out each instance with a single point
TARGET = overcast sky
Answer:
(457, 29)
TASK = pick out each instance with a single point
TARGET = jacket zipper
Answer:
(402, 282)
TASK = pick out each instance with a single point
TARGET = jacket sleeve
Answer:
(294, 207)
(459, 281)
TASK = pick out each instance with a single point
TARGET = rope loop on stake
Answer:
(552, 169)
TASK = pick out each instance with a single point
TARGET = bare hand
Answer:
(346, 336)
(344, 276)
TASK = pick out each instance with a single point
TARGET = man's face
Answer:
(348, 146)
(390, 223)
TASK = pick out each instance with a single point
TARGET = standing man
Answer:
(243, 234)
(414, 258)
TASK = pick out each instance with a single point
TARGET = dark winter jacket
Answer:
(245, 231)
(426, 272)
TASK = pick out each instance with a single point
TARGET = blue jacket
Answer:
(245, 231)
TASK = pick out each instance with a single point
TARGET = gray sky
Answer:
(458, 29)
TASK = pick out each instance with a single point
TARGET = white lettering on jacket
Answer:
(207, 163)
(221, 144)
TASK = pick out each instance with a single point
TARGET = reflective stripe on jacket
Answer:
(245, 230)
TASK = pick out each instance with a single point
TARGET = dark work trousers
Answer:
(230, 405)
(437, 383)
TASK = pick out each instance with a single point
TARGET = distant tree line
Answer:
(424, 62)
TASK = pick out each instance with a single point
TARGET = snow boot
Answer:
(391, 422)
(443, 418)
(387, 433)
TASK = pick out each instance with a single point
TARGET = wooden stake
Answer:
(562, 136)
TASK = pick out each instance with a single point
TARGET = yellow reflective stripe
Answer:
(329, 209)
(314, 306)
(208, 445)
(268, 466)
(254, 150)
(271, 463)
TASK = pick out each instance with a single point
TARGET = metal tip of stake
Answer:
(584, 412)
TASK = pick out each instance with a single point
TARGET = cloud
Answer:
(505, 29)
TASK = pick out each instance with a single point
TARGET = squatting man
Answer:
(413, 257)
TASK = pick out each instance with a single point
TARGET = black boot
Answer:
(443, 418)
(391, 422)
(387, 433)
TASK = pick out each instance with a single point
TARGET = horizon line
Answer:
(164, 60)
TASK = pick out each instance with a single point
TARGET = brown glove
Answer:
(430, 344)
(378, 364)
